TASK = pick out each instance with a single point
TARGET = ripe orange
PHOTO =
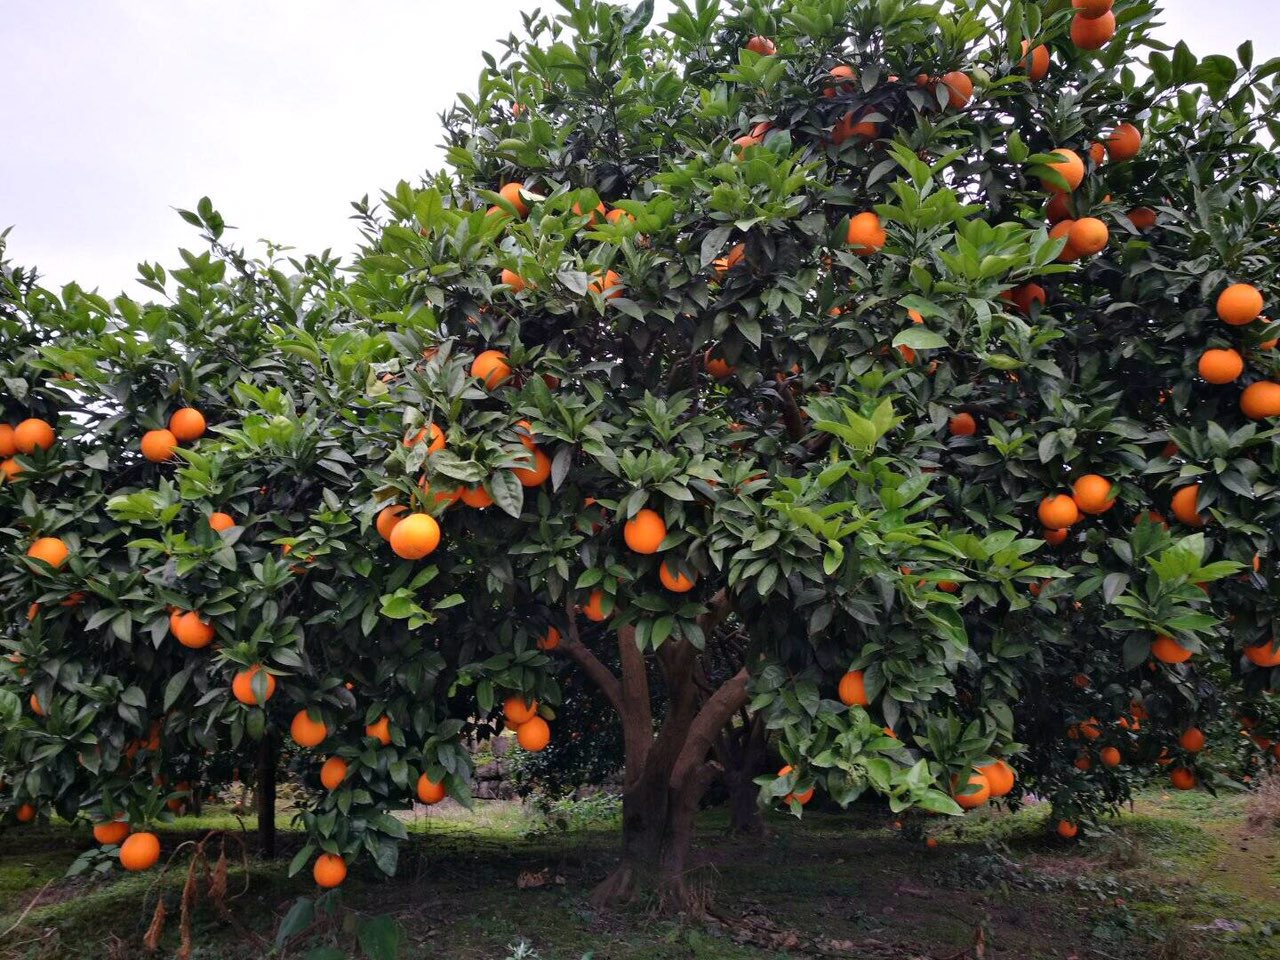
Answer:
(1184, 505)
(414, 537)
(492, 367)
(615, 216)
(25, 813)
(1067, 830)
(430, 793)
(333, 772)
(1000, 777)
(1221, 366)
(962, 425)
(140, 851)
(1110, 757)
(1097, 153)
(380, 730)
(841, 72)
(1054, 537)
(1182, 778)
(1082, 762)
(978, 790)
(850, 126)
(329, 870)
(853, 690)
(1092, 33)
(158, 445)
(1263, 655)
(49, 549)
(242, 686)
(513, 280)
(31, 434)
(190, 630)
(1167, 650)
(524, 431)
(1058, 208)
(477, 497)
(800, 798)
(518, 710)
(1091, 729)
(722, 265)
(1039, 61)
(110, 833)
(1092, 9)
(676, 583)
(307, 732)
(1124, 143)
(1088, 236)
(7, 446)
(11, 468)
(1092, 494)
(1028, 293)
(36, 707)
(959, 88)
(1070, 167)
(1058, 512)
(609, 285)
(187, 424)
(1261, 400)
(1062, 231)
(1238, 304)
(550, 640)
(866, 234)
(536, 475)
(220, 521)
(437, 438)
(534, 734)
(510, 192)
(645, 531)
(594, 607)
(1192, 740)
(762, 45)
(717, 367)
(388, 517)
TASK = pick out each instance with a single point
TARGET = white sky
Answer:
(282, 112)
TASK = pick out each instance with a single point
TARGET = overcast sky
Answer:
(283, 111)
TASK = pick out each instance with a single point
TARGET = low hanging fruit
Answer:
(518, 710)
(333, 772)
(1220, 366)
(534, 734)
(140, 851)
(676, 583)
(415, 537)
(593, 609)
(329, 870)
(307, 732)
(430, 792)
(852, 690)
(975, 792)
(242, 686)
(1058, 512)
(1167, 650)
(800, 798)
(111, 833)
(1093, 494)
(219, 521)
(1000, 777)
(962, 425)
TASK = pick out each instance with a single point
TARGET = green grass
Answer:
(835, 884)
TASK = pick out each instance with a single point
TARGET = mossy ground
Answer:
(1175, 879)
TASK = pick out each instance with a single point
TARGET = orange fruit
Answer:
(25, 813)
(1167, 650)
(187, 424)
(32, 434)
(1184, 505)
(1088, 236)
(110, 833)
(242, 686)
(1067, 830)
(414, 537)
(722, 265)
(1092, 33)
(762, 45)
(977, 790)
(595, 214)
(36, 708)
(1000, 777)
(388, 517)
(380, 730)
(510, 192)
(1058, 512)
(609, 285)
(962, 425)
(1069, 166)
(536, 475)
(1220, 366)
(329, 870)
(1110, 757)
(594, 607)
(1091, 729)
(550, 640)
(1192, 740)
(7, 445)
(307, 732)
(333, 772)
(959, 88)
(853, 690)
(49, 549)
(740, 142)
(1263, 655)
(615, 216)
(492, 367)
(1054, 537)
(158, 445)
(190, 630)
(1062, 230)
(524, 431)
(1092, 9)
(220, 521)
(430, 793)
(645, 531)
(1092, 494)
(865, 234)
(718, 368)
(1238, 304)
(1028, 293)
(676, 583)
(11, 467)
(140, 851)
(437, 438)
(513, 280)
(1097, 153)
(1261, 400)
(841, 72)
(1142, 218)
(533, 735)
(518, 710)
(1124, 142)
(477, 497)
(850, 126)
(1039, 68)
(800, 798)
(1182, 778)
(1058, 208)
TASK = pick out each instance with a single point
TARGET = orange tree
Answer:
(891, 376)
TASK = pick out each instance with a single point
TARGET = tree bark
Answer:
(266, 796)
(742, 751)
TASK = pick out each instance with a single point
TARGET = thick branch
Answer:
(721, 606)
(790, 412)
(708, 723)
(636, 711)
(600, 675)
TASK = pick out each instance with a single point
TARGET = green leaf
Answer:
(379, 937)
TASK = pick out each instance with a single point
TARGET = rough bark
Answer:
(266, 796)
(742, 752)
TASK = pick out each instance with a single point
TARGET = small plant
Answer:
(1262, 811)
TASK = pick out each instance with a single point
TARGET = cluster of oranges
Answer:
(1239, 305)
(185, 426)
(27, 437)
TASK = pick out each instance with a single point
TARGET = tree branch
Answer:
(636, 711)
(710, 720)
(577, 651)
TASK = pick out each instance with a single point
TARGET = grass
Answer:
(1175, 879)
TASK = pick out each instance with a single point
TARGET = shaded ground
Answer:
(1176, 879)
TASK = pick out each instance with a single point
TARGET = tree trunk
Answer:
(742, 751)
(266, 796)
